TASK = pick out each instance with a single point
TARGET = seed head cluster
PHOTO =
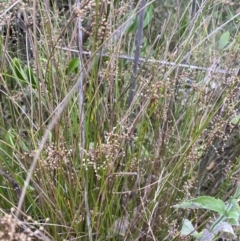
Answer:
(105, 155)
(9, 229)
(99, 28)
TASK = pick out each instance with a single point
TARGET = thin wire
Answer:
(161, 62)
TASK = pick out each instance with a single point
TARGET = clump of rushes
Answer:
(118, 173)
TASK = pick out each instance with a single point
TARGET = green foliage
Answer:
(204, 202)
(148, 16)
(18, 73)
(228, 212)
(235, 120)
(73, 66)
(22, 76)
(224, 40)
(31, 78)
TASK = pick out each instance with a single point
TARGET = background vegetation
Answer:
(114, 111)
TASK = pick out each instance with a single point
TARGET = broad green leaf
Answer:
(205, 202)
(224, 40)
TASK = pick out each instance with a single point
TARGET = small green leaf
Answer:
(233, 221)
(31, 78)
(233, 214)
(238, 38)
(235, 120)
(30, 188)
(72, 66)
(235, 204)
(237, 192)
(224, 40)
(133, 26)
(148, 16)
(18, 71)
(188, 228)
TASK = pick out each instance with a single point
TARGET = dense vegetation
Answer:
(113, 112)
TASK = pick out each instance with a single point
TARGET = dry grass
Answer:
(116, 172)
